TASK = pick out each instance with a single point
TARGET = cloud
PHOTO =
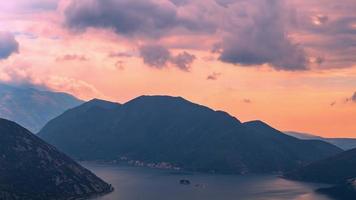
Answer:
(183, 60)
(320, 19)
(286, 35)
(8, 45)
(214, 76)
(155, 55)
(120, 54)
(142, 18)
(73, 86)
(159, 56)
(72, 57)
(23, 6)
(352, 98)
(264, 40)
(248, 101)
(18, 75)
(23, 76)
(321, 24)
(119, 65)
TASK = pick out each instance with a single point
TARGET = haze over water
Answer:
(150, 184)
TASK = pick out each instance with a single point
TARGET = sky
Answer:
(290, 63)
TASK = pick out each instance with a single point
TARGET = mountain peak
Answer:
(159, 98)
(101, 103)
(188, 135)
(256, 123)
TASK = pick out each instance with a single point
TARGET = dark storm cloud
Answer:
(146, 18)
(159, 56)
(8, 45)
(264, 41)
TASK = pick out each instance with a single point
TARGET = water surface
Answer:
(132, 183)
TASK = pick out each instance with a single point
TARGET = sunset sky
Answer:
(290, 63)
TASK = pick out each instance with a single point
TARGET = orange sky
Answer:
(107, 61)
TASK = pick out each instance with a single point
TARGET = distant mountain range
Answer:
(156, 129)
(33, 108)
(343, 143)
(339, 169)
(30, 169)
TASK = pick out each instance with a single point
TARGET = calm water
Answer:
(149, 184)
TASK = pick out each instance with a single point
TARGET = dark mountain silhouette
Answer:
(339, 169)
(336, 169)
(33, 108)
(30, 169)
(157, 129)
(344, 191)
(343, 143)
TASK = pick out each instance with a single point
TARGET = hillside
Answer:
(33, 108)
(30, 169)
(155, 129)
(336, 169)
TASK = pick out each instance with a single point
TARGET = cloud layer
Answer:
(264, 41)
(246, 33)
(8, 45)
(143, 18)
(158, 56)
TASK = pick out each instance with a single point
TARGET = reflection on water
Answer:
(149, 184)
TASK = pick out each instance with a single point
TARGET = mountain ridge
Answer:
(33, 170)
(344, 143)
(339, 170)
(157, 129)
(33, 108)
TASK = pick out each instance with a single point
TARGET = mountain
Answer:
(155, 129)
(33, 170)
(33, 108)
(335, 169)
(339, 169)
(344, 191)
(343, 143)
(303, 136)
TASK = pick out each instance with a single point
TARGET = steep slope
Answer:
(335, 169)
(339, 169)
(343, 143)
(33, 108)
(297, 150)
(344, 191)
(33, 170)
(157, 129)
